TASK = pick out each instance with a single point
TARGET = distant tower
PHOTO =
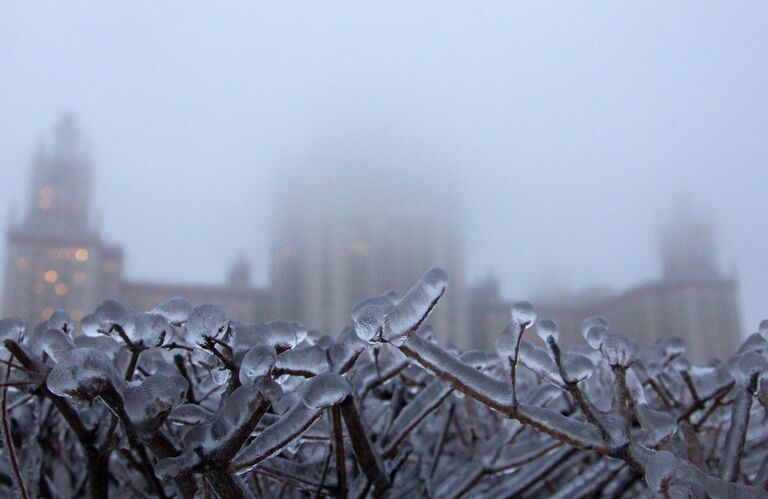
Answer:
(344, 233)
(239, 276)
(688, 250)
(54, 259)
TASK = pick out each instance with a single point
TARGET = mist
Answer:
(566, 135)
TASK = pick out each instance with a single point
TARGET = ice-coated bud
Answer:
(89, 325)
(55, 343)
(523, 314)
(60, 320)
(175, 310)
(149, 330)
(659, 426)
(325, 390)
(595, 336)
(206, 321)
(577, 367)
(257, 362)
(12, 328)
(368, 315)
(659, 471)
(156, 396)
(746, 365)
(593, 321)
(619, 350)
(82, 373)
(547, 329)
(508, 341)
(764, 328)
(109, 314)
(413, 308)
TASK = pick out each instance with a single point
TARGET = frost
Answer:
(174, 310)
(81, 373)
(257, 362)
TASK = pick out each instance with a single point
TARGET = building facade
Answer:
(56, 259)
(693, 300)
(347, 233)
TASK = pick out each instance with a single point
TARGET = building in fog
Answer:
(693, 299)
(346, 233)
(488, 313)
(57, 260)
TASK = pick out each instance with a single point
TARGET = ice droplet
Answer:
(108, 314)
(523, 314)
(576, 366)
(593, 321)
(325, 390)
(81, 373)
(55, 343)
(546, 329)
(257, 362)
(368, 315)
(150, 330)
(619, 350)
(60, 320)
(206, 321)
(764, 328)
(412, 309)
(595, 336)
(175, 310)
(659, 470)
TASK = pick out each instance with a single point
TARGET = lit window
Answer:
(81, 255)
(51, 276)
(46, 313)
(22, 263)
(79, 277)
(46, 198)
(61, 289)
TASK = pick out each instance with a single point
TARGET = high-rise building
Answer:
(55, 259)
(342, 234)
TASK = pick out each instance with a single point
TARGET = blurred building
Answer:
(488, 313)
(344, 233)
(693, 299)
(56, 259)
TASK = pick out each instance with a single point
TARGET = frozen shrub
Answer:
(183, 401)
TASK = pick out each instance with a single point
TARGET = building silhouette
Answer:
(347, 232)
(56, 259)
(693, 300)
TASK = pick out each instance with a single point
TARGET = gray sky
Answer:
(575, 127)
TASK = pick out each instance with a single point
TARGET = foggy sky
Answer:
(576, 129)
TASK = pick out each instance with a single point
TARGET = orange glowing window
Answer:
(22, 263)
(61, 289)
(46, 313)
(51, 276)
(78, 278)
(46, 198)
(81, 255)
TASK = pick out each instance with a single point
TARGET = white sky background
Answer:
(575, 127)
